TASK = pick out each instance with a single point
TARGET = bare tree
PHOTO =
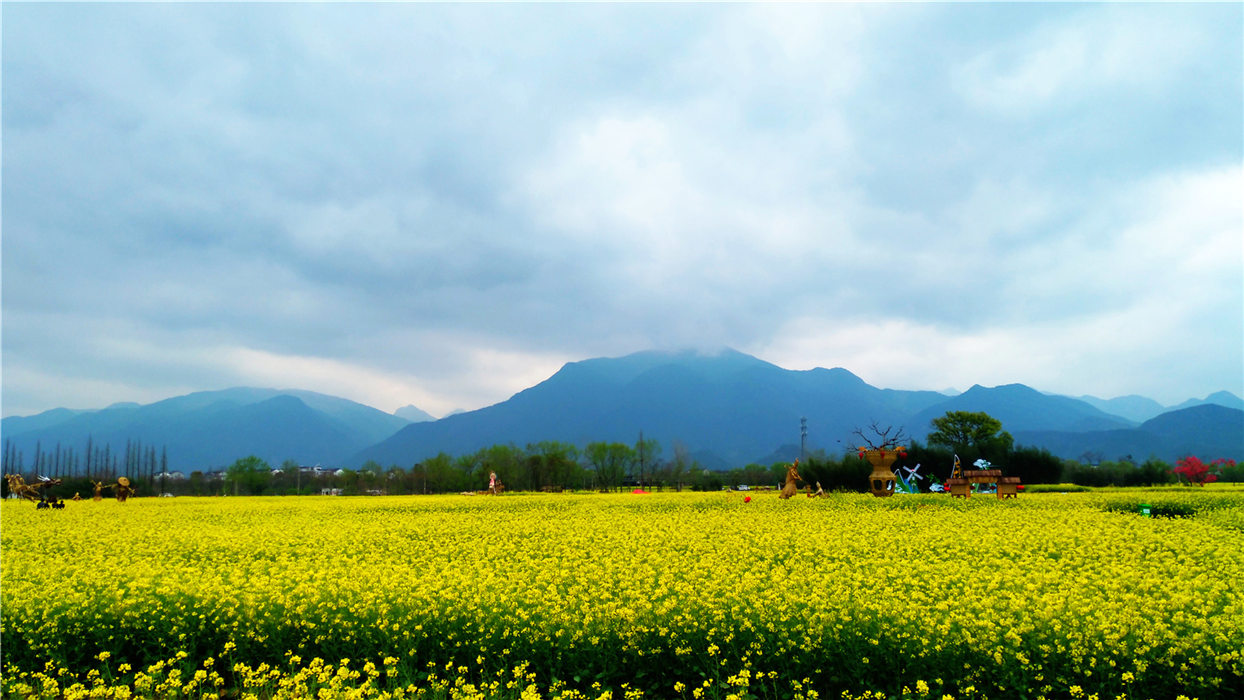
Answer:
(881, 439)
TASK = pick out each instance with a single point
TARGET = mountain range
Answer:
(725, 409)
(211, 429)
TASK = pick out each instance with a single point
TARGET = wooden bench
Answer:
(1007, 486)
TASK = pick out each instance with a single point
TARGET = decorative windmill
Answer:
(910, 482)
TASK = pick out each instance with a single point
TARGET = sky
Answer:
(442, 204)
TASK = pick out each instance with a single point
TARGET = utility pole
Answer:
(803, 439)
(641, 459)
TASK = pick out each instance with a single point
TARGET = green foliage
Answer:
(439, 474)
(1152, 472)
(1034, 465)
(289, 480)
(612, 462)
(756, 475)
(849, 473)
(647, 457)
(504, 460)
(552, 464)
(249, 476)
(1056, 488)
(1231, 471)
(978, 432)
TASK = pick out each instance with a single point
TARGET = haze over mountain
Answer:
(729, 409)
(1141, 409)
(1207, 430)
(414, 414)
(212, 429)
(725, 409)
(1132, 407)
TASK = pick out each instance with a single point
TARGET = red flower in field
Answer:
(747, 499)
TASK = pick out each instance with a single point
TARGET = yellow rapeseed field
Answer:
(626, 596)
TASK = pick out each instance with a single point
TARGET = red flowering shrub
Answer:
(1195, 471)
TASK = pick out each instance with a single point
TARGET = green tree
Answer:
(439, 473)
(291, 475)
(395, 481)
(250, 475)
(971, 434)
(648, 457)
(612, 461)
(1035, 465)
(553, 464)
(196, 482)
(507, 461)
(682, 464)
(372, 475)
(348, 481)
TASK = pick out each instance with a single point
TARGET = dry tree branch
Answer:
(883, 438)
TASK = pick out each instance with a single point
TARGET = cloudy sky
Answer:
(442, 204)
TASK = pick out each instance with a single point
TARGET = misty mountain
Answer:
(724, 409)
(212, 429)
(16, 425)
(413, 414)
(1020, 408)
(1141, 409)
(1207, 430)
(1132, 407)
(1218, 398)
(730, 404)
(728, 408)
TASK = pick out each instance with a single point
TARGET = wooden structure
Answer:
(881, 481)
(1007, 486)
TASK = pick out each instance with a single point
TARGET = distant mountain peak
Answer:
(1225, 398)
(1003, 389)
(414, 414)
(1220, 398)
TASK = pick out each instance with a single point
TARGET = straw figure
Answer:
(27, 491)
(124, 490)
(792, 475)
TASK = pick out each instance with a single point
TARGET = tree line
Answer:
(141, 463)
(598, 466)
(541, 466)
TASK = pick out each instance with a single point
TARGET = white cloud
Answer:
(452, 208)
(1087, 50)
(1135, 292)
